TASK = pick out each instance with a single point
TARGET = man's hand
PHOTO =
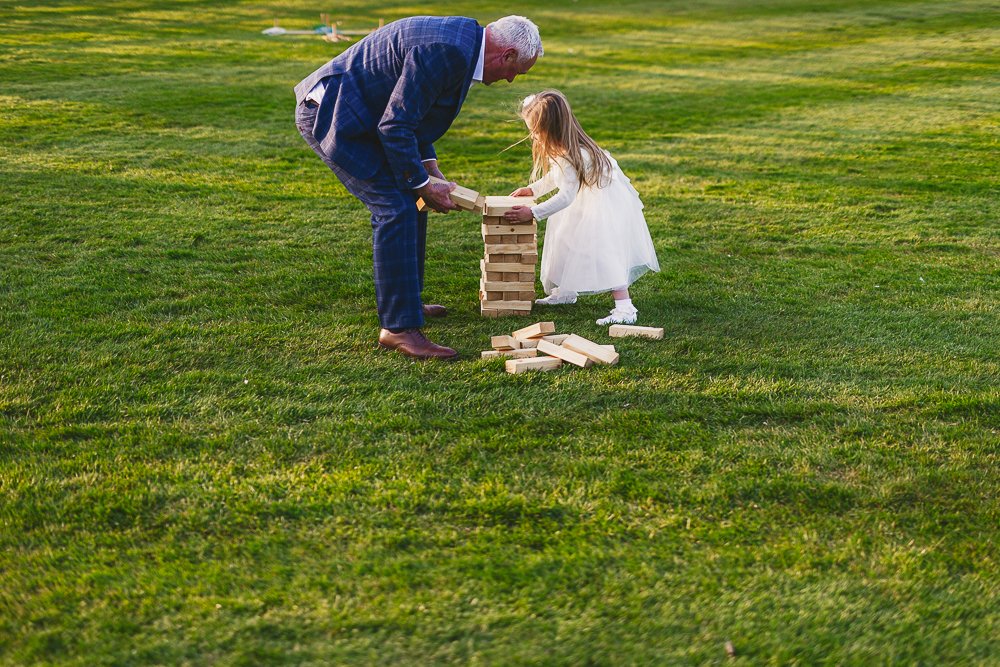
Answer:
(436, 196)
(519, 213)
(522, 192)
(432, 168)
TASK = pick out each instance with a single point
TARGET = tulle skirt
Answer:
(599, 242)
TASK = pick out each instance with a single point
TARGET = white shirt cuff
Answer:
(422, 184)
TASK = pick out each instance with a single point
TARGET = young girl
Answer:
(596, 239)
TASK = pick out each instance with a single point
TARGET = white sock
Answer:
(624, 304)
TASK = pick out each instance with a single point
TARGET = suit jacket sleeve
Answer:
(427, 72)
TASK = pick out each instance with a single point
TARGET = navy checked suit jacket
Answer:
(390, 96)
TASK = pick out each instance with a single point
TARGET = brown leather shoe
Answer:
(434, 310)
(413, 343)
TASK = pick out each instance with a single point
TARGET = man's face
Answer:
(505, 65)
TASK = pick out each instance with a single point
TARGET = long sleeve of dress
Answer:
(562, 175)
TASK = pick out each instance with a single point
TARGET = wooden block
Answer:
(526, 238)
(516, 366)
(564, 353)
(462, 197)
(501, 258)
(504, 343)
(622, 330)
(528, 259)
(526, 295)
(515, 296)
(527, 275)
(509, 277)
(506, 305)
(493, 239)
(555, 339)
(610, 348)
(535, 330)
(528, 343)
(590, 349)
(508, 238)
(480, 204)
(492, 276)
(512, 354)
(489, 312)
(506, 267)
(495, 220)
(499, 286)
(520, 230)
(518, 248)
(497, 206)
(492, 296)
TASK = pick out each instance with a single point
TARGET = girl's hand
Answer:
(519, 214)
(522, 192)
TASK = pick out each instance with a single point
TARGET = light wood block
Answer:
(521, 230)
(504, 343)
(528, 275)
(590, 349)
(535, 330)
(622, 330)
(499, 286)
(493, 239)
(526, 238)
(462, 197)
(507, 305)
(556, 339)
(506, 267)
(497, 206)
(528, 343)
(564, 353)
(493, 276)
(528, 258)
(516, 366)
(511, 354)
(517, 248)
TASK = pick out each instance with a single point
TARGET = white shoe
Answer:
(619, 316)
(557, 299)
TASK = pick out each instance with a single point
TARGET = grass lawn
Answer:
(204, 459)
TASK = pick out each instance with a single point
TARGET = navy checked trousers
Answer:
(399, 235)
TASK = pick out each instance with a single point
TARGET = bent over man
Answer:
(373, 113)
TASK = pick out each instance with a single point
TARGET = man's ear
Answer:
(510, 55)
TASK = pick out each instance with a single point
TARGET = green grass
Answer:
(205, 460)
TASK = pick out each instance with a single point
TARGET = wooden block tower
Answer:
(507, 286)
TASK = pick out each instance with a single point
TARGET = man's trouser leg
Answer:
(398, 236)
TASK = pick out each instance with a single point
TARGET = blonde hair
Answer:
(555, 132)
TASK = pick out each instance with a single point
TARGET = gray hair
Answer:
(520, 34)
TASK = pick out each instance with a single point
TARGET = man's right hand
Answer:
(436, 196)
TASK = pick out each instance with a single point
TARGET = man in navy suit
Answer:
(373, 113)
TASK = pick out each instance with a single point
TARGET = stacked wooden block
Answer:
(507, 286)
(464, 198)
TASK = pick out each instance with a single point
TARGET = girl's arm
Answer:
(545, 184)
(565, 178)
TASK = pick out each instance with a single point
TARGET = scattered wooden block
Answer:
(534, 364)
(564, 353)
(528, 343)
(511, 354)
(504, 343)
(497, 206)
(535, 330)
(589, 349)
(556, 339)
(622, 330)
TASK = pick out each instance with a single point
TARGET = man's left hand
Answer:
(519, 214)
